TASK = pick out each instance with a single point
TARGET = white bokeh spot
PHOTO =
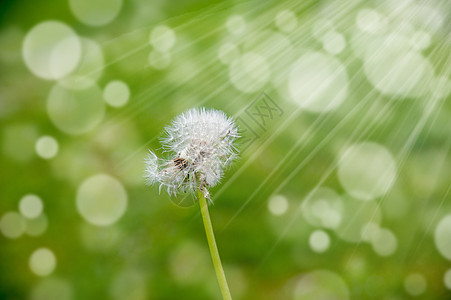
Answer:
(318, 82)
(46, 147)
(51, 50)
(42, 262)
(384, 242)
(370, 21)
(396, 70)
(31, 206)
(319, 241)
(333, 42)
(366, 170)
(116, 93)
(278, 205)
(101, 200)
(162, 38)
(12, 225)
(236, 24)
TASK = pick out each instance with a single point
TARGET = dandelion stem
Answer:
(213, 248)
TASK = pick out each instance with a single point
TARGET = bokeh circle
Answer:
(51, 50)
(101, 200)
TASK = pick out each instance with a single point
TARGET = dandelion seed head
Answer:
(200, 144)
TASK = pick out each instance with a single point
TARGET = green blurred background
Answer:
(342, 190)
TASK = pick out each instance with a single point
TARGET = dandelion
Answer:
(200, 144)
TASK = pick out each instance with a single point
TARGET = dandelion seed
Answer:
(200, 144)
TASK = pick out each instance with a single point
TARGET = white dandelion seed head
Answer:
(200, 144)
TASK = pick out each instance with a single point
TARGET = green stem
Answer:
(213, 248)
